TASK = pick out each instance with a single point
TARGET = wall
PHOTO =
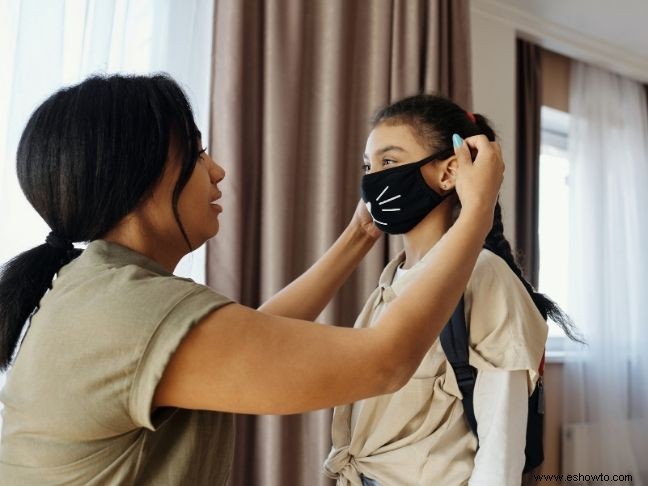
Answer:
(556, 71)
(493, 79)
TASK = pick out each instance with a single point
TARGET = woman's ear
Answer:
(448, 174)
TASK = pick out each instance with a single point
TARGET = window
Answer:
(553, 226)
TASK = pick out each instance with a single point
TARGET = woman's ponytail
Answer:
(23, 283)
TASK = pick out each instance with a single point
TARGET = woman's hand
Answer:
(363, 220)
(478, 182)
(306, 297)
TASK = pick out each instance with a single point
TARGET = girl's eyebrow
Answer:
(384, 149)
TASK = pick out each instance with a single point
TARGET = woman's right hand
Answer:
(478, 183)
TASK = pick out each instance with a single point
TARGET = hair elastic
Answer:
(56, 241)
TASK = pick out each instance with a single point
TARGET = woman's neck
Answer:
(135, 232)
(424, 236)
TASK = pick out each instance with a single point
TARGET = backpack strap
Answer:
(454, 341)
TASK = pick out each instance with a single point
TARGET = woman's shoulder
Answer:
(117, 291)
(128, 282)
(114, 270)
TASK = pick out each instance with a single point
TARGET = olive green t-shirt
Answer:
(77, 401)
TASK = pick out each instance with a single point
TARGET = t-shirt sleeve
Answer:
(196, 302)
(506, 330)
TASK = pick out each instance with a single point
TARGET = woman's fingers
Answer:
(479, 142)
(478, 182)
(462, 152)
(363, 218)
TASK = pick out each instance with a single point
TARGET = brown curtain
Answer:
(529, 93)
(529, 102)
(294, 84)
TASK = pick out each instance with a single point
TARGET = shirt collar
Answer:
(114, 254)
(387, 275)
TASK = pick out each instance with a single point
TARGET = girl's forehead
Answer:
(386, 135)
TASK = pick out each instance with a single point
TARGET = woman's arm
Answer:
(241, 360)
(501, 408)
(306, 297)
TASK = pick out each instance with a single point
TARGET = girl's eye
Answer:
(202, 152)
(388, 161)
(366, 167)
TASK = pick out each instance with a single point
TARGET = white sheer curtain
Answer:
(45, 45)
(606, 383)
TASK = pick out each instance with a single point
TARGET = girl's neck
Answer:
(424, 236)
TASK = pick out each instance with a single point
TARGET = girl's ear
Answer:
(448, 174)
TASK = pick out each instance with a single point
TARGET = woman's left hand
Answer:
(306, 297)
(364, 221)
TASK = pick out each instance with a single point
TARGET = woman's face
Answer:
(198, 206)
(198, 203)
(389, 146)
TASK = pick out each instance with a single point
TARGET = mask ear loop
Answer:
(441, 155)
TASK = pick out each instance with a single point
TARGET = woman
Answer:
(418, 435)
(126, 374)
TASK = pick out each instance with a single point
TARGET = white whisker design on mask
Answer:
(388, 200)
(372, 216)
(390, 209)
(383, 192)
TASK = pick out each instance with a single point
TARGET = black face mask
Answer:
(399, 198)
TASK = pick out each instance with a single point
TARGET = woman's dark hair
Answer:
(88, 156)
(433, 120)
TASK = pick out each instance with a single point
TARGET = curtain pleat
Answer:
(529, 102)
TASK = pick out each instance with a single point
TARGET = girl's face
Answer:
(389, 146)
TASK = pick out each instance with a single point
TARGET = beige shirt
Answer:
(418, 435)
(78, 397)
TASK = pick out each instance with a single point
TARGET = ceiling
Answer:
(620, 23)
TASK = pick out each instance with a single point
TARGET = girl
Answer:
(418, 435)
(126, 374)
